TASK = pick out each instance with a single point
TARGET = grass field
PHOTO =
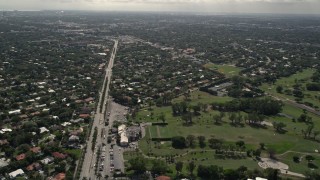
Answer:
(226, 69)
(204, 125)
(75, 152)
(302, 166)
(202, 97)
(287, 83)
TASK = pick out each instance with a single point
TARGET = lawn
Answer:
(301, 166)
(75, 152)
(226, 69)
(287, 83)
(204, 125)
(202, 97)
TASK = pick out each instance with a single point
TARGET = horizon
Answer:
(166, 12)
(187, 6)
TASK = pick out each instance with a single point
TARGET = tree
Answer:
(196, 109)
(230, 174)
(216, 119)
(257, 153)
(138, 165)
(215, 143)
(232, 117)
(272, 153)
(279, 89)
(190, 141)
(202, 142)
(279, 126)
(99, 175)
(209, 172)
(187, 118)
(239, 118)
(150, 104)
(159, 167)
(61, 167)
(296, 159)
(307, 132)
(315, 134)
(179, 166)
(187, 96)
(222, 115)
(271, 173)
(162, 117)
(240, 143)
(190, 167)
(297, 93)
(178, 142)
(309, 158)
(305, 118)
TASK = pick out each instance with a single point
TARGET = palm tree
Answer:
(99, 176)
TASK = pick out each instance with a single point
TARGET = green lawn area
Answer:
(226, 69)
(75, 152)
(302, 166)
(287, 83)
(296, 127)
(204, 125)
(202, 97)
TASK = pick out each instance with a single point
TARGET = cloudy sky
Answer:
(213, 6)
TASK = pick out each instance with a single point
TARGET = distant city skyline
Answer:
(207, 6)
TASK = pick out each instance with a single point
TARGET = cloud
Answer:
(182, 1)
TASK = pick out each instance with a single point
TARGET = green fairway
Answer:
(204, 125)
(287, 83)
(301, 166)
(226, 69)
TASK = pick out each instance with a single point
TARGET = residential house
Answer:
(84, 115)
(3, 142)
(163, 178)
(34, 166)
(43, 130)
(47, 160)
(21, 157)
(59, 155)
(16, 173)
(60, 176)
(35, 150)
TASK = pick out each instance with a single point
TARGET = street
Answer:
(295, 104)
(89, 163)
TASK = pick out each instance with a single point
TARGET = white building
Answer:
(43, 130)
(2, 131)
(16, 173)
(15, 112)
(258, 178)
(124, 140)
(47, 160)
(123, 135)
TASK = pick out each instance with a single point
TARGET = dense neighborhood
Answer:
(96, 95)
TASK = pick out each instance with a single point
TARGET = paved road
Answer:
(90, 158)
(295, 104)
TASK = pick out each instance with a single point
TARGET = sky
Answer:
(205, 6)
